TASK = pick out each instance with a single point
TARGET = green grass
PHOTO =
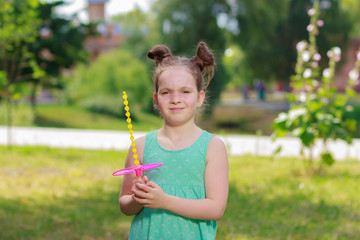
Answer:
(55, 194)
(76, 117)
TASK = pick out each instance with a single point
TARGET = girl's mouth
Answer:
(176, 109)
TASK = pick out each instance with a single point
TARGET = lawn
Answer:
(49, 193)
(76, 117)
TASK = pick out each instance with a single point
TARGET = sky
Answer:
(112, 7)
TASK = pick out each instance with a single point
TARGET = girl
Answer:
(184, 197)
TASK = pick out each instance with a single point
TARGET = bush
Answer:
(110, 75)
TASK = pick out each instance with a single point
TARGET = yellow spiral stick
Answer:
(138, 169)
(127, 114)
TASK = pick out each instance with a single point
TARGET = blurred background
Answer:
(284, 67)
(66, 63)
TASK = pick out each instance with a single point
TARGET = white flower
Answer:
(320, 23)
(302, 97)
(310, 27)
(296, 112)
(311, 11)
(327, 73)
(300, 46)
(329, 53)
(306, 56)
(317, 57)
(307, 73)
(337, 51)
(353, 75)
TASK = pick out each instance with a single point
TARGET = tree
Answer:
(59, 46)
(269, 31)
(185, 22)
(18, 29)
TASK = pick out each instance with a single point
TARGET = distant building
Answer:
(110, 34)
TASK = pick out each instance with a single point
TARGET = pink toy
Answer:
(136, 169)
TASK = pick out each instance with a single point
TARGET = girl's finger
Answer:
(139, 200)
(152, 184)
(145, 178)
(140, 194)
(143, 187)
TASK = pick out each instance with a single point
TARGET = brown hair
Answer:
(199, 66)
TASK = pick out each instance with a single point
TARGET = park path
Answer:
(119, 140)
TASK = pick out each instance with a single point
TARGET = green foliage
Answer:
(110, 75)
(50, 193)
(60, 44)
(18, 22)
(354, 114)
(234, 63)
(18, 29)
(318, 109)
(352, 7)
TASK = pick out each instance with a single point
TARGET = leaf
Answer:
(341, 100)
(351, 124)
(327, 158)
(291, 97)
(308, 137)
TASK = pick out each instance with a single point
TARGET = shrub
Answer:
(110, 75)
(318, 110)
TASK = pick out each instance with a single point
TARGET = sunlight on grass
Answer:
(49, 193)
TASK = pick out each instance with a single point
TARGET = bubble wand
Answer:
(138, 168)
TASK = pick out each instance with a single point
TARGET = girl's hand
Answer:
(150, 195)
(142, 180)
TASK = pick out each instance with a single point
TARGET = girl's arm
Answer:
(128, 205)
(216, 184)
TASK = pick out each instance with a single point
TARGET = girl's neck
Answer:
(178, 137)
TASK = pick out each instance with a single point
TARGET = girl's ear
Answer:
(201, 99)
(155, 98)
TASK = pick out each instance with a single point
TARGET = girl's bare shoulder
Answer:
(216, 148)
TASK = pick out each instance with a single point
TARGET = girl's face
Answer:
(177, 96)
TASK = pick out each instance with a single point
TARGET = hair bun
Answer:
(204, 57)
(158, 53)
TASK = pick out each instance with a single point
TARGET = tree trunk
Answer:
(33, 98)
(9, 117)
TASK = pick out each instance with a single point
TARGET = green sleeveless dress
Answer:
(181, 175)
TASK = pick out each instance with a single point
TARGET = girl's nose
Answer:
(175, 97)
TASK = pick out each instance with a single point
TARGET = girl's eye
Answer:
(164, 93)
(185, 91)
